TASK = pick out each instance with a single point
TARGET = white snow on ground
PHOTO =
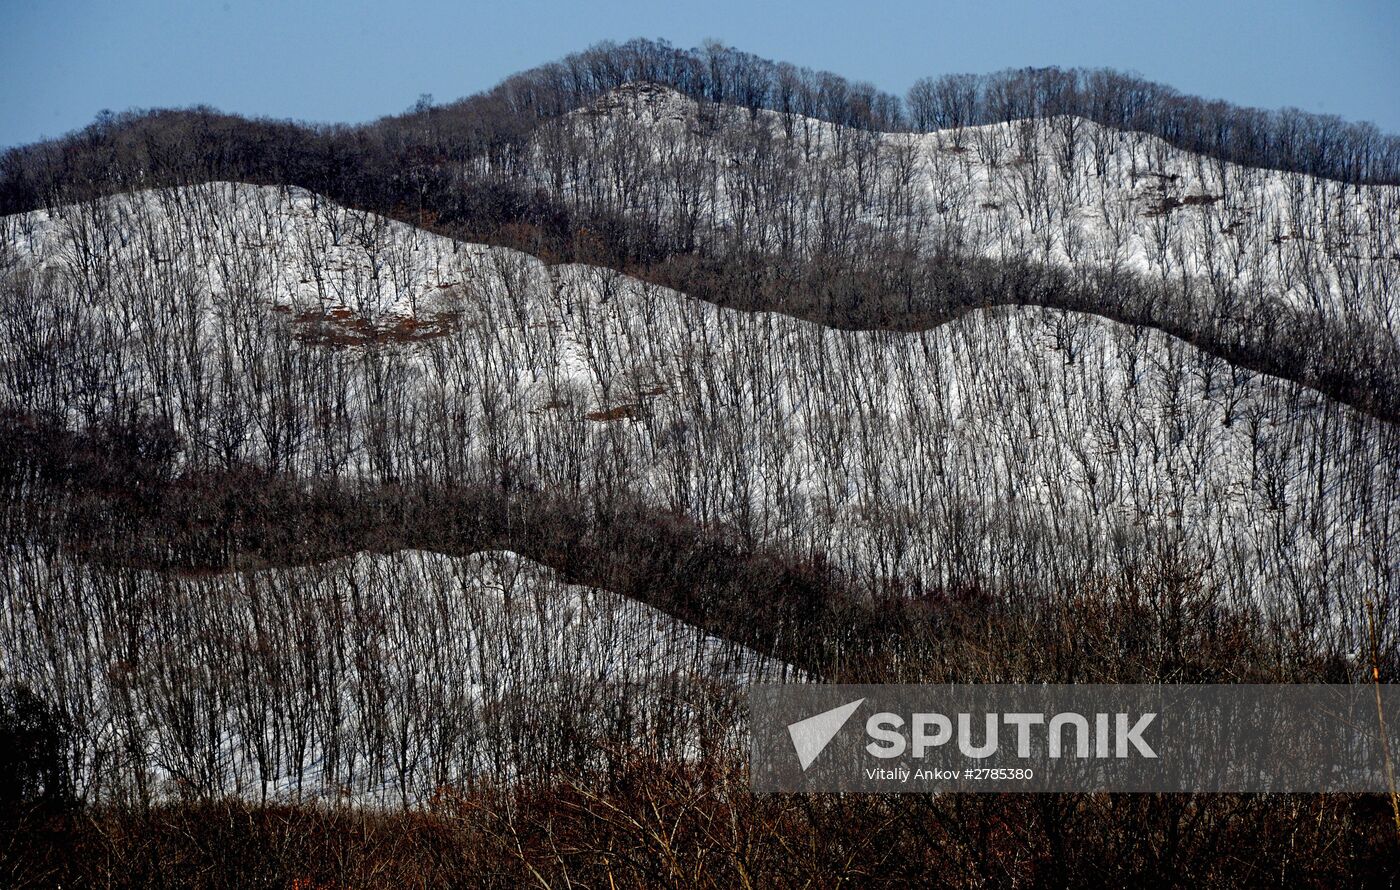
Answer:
(319, 682)
(1063, 190)
(1020, 449)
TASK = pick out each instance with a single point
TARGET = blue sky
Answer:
(61, 61)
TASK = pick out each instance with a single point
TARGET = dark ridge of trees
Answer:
(1287, 139)
(144, 149)
(146, 516)
(1360, 368)
(504, 169)
(653, 814)
(873, 284)
(610, 391)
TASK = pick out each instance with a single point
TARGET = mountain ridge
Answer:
(542, 371)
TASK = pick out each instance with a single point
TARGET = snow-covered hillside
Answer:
(1013, 449)
(1063, 190)
(323, 681)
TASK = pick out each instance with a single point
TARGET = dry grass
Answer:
(620, 412)
(663, 825)
(341, 328)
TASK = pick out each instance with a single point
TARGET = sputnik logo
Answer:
(812, 735)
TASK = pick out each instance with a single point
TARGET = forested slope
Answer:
(446, 479)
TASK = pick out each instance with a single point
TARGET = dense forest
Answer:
(412, 502)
